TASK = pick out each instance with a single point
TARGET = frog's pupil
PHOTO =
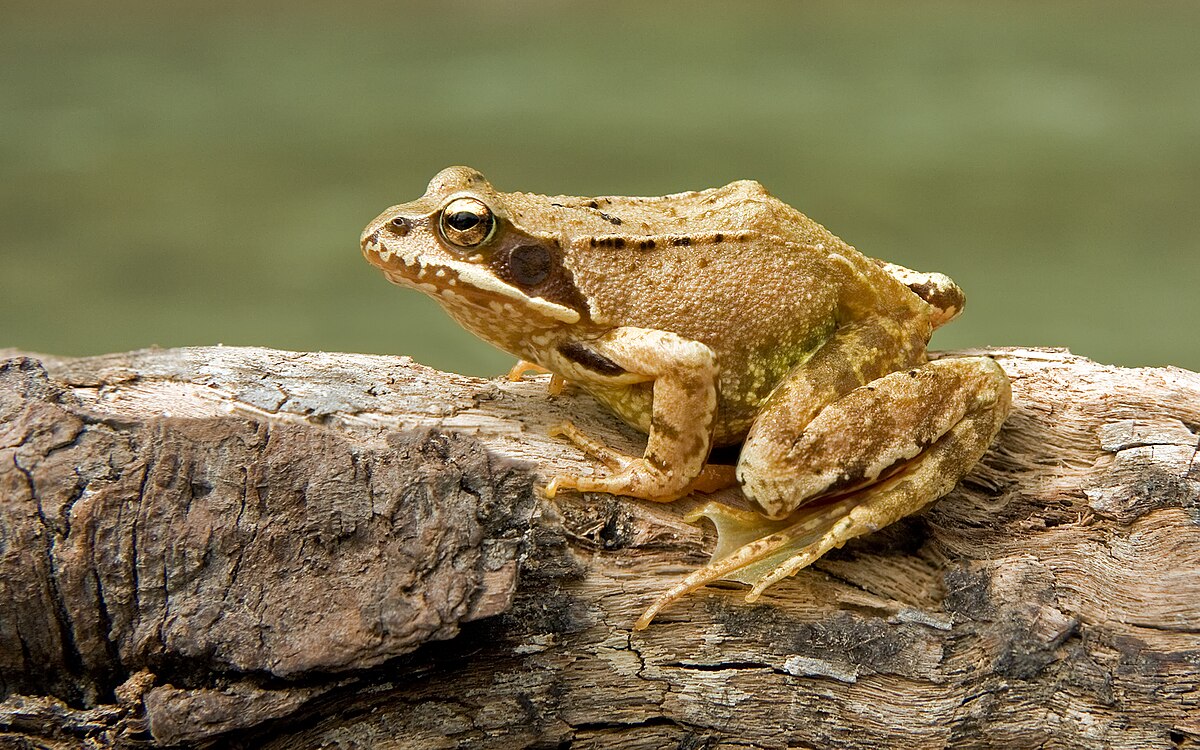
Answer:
(462, 220)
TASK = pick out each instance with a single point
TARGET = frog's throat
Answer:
(456, 282)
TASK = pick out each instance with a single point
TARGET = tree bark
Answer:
(257, 548)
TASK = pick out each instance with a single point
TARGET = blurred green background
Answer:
(176, 175)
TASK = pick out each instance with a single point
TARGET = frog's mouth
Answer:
(460, 282)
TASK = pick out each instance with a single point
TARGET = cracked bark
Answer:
(257, 548)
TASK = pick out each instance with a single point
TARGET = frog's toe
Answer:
(613, 459)
(560, 482)
(554, 387)
(517, 371)
(615, 484)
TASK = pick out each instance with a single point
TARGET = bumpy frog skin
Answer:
(714, 318)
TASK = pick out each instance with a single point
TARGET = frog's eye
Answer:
(467, 222)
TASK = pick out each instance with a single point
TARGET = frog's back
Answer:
(742, 207)
(733, 267)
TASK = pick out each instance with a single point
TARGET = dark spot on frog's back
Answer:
(610, 219)
(924, 289)
(584, 356)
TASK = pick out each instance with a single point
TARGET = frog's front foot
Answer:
(619, 463)
(613, 459)
(634, 476)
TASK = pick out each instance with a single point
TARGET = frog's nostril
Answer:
(400, 225)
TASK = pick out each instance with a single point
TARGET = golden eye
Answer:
(467, 222)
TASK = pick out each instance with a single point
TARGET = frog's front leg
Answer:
(873, 456)
(678, 410)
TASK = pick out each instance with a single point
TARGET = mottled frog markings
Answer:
(712, 318)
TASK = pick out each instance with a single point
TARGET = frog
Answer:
(714, 319)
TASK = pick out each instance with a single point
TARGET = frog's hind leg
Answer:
(893, 445)
(879, 453)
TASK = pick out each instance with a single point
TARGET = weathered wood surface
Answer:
(264, 548)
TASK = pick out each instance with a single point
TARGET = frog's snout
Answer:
(369, 243)
(382, 247)
(374, 248)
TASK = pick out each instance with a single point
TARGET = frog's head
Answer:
(458, 243)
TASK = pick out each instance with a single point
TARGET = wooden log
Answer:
(252, 547)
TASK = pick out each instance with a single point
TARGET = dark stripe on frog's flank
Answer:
(581, 355)
(608, 240)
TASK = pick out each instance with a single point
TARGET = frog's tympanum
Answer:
(713, 318)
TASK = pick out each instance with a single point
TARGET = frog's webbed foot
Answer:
(557, 382)
(751, 548)
(760, 552)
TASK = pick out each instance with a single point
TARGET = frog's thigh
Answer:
(935, 421)
(929, 424)
(868, 432)
(683, 407)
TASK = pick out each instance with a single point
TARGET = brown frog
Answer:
(712, 318)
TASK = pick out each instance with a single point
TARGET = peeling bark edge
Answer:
(1051, 599)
